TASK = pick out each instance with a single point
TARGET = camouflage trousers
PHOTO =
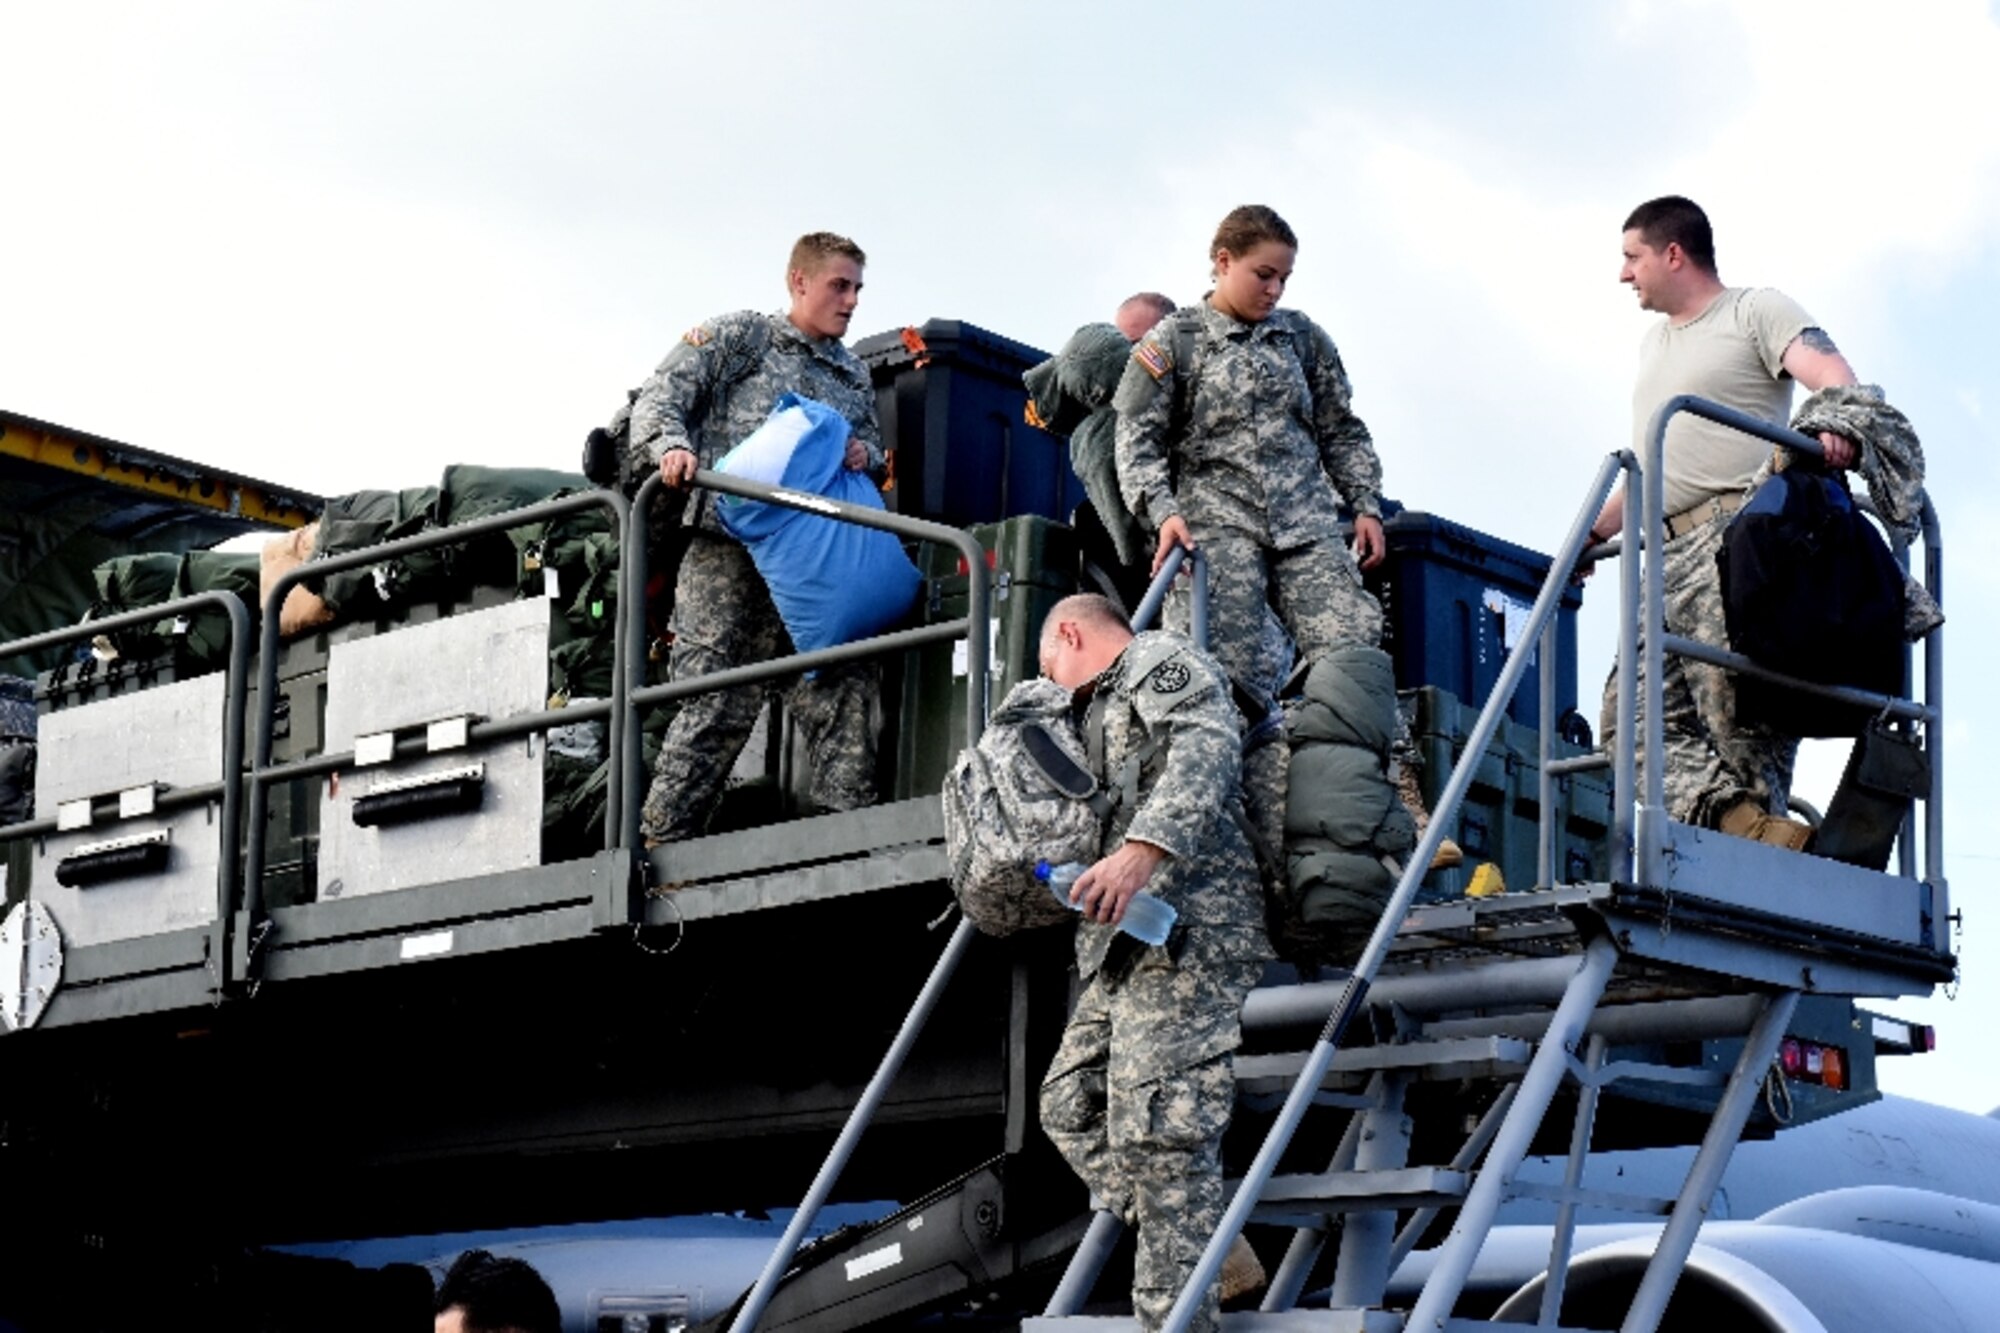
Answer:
(1713, 761)
(1137, 1099)
(1261, 603)
(723, 617)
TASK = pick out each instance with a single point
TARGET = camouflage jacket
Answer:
(724, 376)
(1166, 703)
(1261, 451)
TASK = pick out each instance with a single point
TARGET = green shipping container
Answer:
(1499, 819)
(1032, 563)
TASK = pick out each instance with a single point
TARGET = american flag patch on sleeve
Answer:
(1153, 357)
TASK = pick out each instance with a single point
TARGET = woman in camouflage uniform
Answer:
(1235, 435)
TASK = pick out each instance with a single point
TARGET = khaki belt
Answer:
(1716, 506)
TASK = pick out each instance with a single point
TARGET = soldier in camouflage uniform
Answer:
(1242, 453)
(1742, 347)
(1140, 1091)
(712, 391)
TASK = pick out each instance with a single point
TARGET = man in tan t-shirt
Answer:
(1742, 347)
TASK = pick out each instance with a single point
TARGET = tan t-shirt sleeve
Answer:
(1771, 320)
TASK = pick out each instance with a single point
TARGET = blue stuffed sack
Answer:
(832, 582)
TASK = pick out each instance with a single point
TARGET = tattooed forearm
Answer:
(1819, 341)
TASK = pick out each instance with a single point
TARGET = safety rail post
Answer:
(977, 684)
(1156, 592)
(1355, 993)
(228, 786)
(1548, 830)
(262, 773)
(1934, 694)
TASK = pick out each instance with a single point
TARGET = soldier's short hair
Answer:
(1093, 609)
(1674, 220)
(497, 1295)
(814, 248)
(1161, 304)
(1249, 226)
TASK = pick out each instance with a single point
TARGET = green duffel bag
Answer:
(134, 582)
(471, 491)
(369, 518)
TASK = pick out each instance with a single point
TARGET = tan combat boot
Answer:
(1448, 853)
(1242, 1271)
(1747, 819)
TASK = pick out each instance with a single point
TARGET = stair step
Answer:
(1484, 1056)
(1242, 1321)
(1303, 1199)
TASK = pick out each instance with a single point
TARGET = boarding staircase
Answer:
(1503, 1004)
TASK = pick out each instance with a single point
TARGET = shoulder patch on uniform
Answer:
(1155, 358)
(697, 336)
(1170, 678)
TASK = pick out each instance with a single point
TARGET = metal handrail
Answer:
(1355, 993)
(263, 772)
(633, 574)
(1650, 851)
(633, 567)
(235, 692)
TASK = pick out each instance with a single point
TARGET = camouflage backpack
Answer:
(612, 456)
(1023, 794)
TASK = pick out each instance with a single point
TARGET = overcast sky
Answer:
(341, 245)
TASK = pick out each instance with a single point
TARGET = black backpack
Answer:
(1809, 588)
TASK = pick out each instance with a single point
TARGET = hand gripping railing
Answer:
(263, 773)
(633, 581)
(972, 628)
(227, 788)
(1355, 993)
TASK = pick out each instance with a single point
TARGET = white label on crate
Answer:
(961, 658)
(426, 946)
(875, 1261)
(1513, 618)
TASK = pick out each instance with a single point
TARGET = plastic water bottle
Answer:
(1147, 919)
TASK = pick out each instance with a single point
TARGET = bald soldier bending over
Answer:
(1142, 1087)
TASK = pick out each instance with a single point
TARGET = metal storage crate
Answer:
(1452, 599)
(1034, 564)
(1500, 817)
(950, 400)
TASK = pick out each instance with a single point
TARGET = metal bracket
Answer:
(31, 958)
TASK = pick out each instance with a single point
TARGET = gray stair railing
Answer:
(1355, 991)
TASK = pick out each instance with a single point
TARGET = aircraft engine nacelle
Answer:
(1846, 1261)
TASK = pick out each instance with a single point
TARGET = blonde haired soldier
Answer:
(713, 389)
